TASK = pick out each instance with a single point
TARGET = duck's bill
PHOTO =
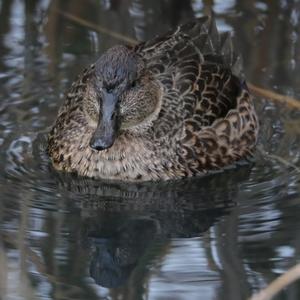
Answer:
(106, 131)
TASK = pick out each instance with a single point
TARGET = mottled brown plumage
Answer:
(171, 107)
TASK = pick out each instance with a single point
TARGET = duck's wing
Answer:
(227, 138)
(206, 104)
(193, 64)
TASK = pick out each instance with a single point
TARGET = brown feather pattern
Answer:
(202, 119)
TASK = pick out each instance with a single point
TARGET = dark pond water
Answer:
(220, 237)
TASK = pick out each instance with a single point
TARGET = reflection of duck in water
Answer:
(126, 223)
(114, 258)
(168, 108)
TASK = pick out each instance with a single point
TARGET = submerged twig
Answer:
(284, 162)
(98, 28)
(278, 284)
(279, 159)
(259, 91)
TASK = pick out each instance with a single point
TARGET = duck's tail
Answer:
(215, 46)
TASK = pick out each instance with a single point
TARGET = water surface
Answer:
(220, 237)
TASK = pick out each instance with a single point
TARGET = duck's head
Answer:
(122, 96)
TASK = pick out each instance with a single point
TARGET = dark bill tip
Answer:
(100, 144)
(106, 131)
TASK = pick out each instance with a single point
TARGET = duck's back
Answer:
(207, 112)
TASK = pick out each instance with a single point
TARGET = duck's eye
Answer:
(133, 84)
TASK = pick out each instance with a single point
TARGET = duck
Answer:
(172, 107)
